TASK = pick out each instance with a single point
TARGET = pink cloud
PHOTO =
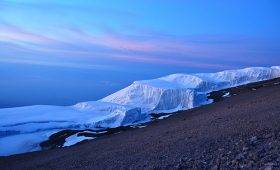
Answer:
(168, 50)
(11, 33)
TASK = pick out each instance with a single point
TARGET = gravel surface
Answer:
(241, 131)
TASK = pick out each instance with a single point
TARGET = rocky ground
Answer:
(240, 130)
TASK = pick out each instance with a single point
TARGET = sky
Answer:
(66, 51)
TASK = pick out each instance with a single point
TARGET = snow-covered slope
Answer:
(23, 128)
(82, 115)
(185, 91)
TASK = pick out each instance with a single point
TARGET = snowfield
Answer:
(23, 128)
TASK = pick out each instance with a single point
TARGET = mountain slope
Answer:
(242, 131)
(28, 126)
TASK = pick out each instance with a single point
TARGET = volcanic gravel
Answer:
(242, 131)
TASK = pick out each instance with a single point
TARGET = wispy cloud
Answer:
(60, 64)
(195, 51)
(14, 34)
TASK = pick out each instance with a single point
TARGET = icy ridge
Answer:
(185, 91)
(23, 128)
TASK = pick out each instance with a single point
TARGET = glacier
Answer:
(184, 91)
(23, 128)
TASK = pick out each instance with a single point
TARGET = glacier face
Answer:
(185, 91)
(25, 127)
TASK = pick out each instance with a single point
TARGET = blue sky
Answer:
(105, 45)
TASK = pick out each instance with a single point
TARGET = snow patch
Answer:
(227, 94)
(163, 117)
(74, 139)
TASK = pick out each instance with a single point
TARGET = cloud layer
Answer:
(195, 51)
